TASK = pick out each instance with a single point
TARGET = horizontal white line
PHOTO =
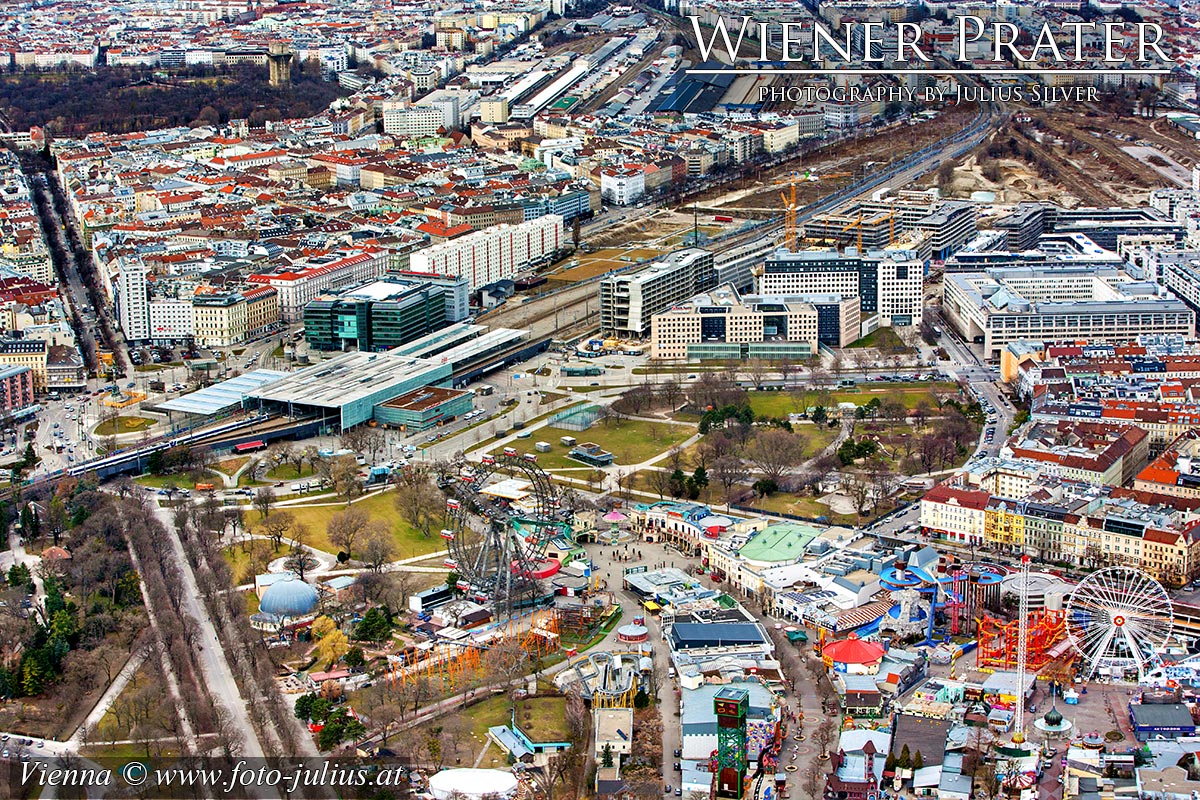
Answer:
(977, 72)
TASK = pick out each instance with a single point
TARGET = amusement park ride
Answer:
(501, 515)
(959, 593)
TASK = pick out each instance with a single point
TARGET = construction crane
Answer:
(858, 223)
(791, 205)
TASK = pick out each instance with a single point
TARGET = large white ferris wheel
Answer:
(1118, 618)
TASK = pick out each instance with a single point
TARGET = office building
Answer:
(629, 302)
(998, 306)
(378, 316)
(1023, 227)
(133, 312)
(888, 290)
(722, 325)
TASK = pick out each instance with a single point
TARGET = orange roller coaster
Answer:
(462, 663)
(998, 640)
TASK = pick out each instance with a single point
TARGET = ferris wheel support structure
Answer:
(1119, 618)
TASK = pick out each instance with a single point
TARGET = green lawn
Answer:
(882, 339)
(287, 472)
(780, 404)
(123, 424)
(543, 718)
(409, 542)
(486, 714)
(816, 439)
(159, 481)
(631, 441)
(238, 560)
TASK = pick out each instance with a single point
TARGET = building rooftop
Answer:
(784, 541)
(424, 398)
(224, 395)
(347, 378)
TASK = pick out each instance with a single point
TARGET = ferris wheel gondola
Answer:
(1118, 619)
(501, 515)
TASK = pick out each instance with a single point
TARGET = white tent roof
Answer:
(472, 783)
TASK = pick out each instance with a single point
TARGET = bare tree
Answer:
(418, 501)
(345, 480)
(858, 488)
(345, 527)
(378, 546)
(756, 368)
(354, 438)
(823, 736)
(264, 498)
(659, 480)
(671, 393)
(813, 782)
(773, 451)
(277, 525)
(728, 470)
(296, 458)
(279, 454)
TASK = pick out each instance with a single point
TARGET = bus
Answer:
(250, 447)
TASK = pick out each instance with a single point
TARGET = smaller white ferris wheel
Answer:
(1118, 618)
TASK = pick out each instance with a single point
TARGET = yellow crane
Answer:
(791, 205)
(858, 224)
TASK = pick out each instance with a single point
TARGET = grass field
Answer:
(409, 542)
(238, 559)
(287, 472)
(543, 719)
(123, 424)
(159, 481)
(780, 404)
(816, 438)
(630, 441)
(881, 339)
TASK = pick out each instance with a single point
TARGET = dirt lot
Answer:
(1074, 157)
(753, 197)
(599, 262)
